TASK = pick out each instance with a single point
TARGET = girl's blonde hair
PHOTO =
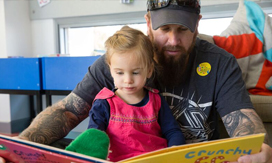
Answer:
(133, 42)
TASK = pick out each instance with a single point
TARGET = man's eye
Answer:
(184, 29)
(164, 29)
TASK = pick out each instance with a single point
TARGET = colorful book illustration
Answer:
(217, 151)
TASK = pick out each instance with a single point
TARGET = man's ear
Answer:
(148, 23)
(200, 16)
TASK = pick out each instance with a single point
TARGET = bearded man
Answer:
(197, 79)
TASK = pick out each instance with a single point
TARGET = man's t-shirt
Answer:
(213, 83)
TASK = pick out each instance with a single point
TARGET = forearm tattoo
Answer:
(57, 121)
(243, 122)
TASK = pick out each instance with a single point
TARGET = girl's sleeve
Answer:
(169, 126)
(99, 115)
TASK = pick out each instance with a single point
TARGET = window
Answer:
(89, 41)
(213, 26)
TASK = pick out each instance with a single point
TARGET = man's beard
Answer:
(171, 69)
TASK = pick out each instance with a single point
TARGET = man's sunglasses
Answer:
(157, 4)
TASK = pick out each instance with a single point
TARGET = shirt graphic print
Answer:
(190, 115)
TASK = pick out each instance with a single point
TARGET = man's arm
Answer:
(244, 122)
(56, 121)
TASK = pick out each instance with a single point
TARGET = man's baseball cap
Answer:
(182, 12)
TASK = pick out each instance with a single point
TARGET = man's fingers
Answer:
(246, 159)
(265, 156)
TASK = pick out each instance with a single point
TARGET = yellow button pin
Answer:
(203, 69)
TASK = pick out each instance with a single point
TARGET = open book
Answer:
(223, 151)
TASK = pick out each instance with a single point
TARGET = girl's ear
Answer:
(150, 71)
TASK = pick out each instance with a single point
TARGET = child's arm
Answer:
(169, 126)
(99, 115)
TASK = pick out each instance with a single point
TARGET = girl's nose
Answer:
(128, 79)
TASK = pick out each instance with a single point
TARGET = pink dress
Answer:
(133, 130)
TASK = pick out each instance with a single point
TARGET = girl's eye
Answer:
(136, 73)
(119, 73)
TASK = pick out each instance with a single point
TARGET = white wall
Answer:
(15, 40)
(74, 8)
(18, 28)
(5, 108)
(44, 37)
(20, 36)
(3, 49)
(4, 99)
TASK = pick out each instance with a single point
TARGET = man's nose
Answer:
(173, 38)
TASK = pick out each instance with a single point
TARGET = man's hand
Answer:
(265, 156)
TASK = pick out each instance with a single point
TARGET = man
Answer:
(197, 79)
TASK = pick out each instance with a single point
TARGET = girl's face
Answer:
(128, 74)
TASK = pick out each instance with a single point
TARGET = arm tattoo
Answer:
(243, 122)
(57, 121)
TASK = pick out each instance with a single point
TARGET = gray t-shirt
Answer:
(213, 85)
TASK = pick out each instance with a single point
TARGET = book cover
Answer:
(22, 151)
(217, 151)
